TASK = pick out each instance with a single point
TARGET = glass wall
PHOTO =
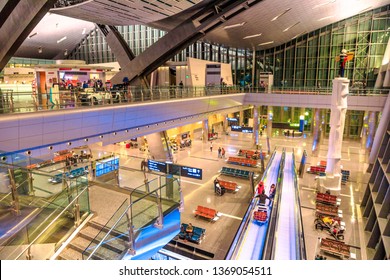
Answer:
(309, 60)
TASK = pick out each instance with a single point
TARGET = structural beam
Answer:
(189, 31)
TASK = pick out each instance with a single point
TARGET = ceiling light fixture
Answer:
(288, 28)
(252, 36)
(323, 4)
(32, 35)
(324, 18)
(234, 25)
(278, 16)
(65, 52)
(266, 43)
(83, 32)
(62, 39)
(40, 50)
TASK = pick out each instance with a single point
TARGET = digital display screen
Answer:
(244, 129)
(191, 172)
(157, 166)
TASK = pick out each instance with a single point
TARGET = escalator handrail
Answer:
(301, 236)
(247, 217)
(268, 251)
(51, 223)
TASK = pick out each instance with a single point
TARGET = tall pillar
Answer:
(364, 131)
(372, 119)
(205, 130)
(241, 117)
(270, 115)
(382, 127)
(225, 123)
(158, 146)
(255, 125)
(337, 120)
(323, 125)
(316, 132)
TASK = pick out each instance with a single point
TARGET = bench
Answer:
(235, 172)
(228, 185)
(196, 236)
(335, 247)
(251, 154)
(316, 170)
(329, 199)
(328, 210)
(242, 161)
(207, 213)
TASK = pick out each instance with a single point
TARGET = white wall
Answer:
(197, 70)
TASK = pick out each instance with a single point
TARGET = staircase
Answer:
(112, 251)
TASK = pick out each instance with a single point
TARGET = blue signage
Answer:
(157, 166)
(244, 129)
(106, 166)
(191, 172)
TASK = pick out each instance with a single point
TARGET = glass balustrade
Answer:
(148, 204)
(37, 214)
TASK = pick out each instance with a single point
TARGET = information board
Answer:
(244, 129)
(106, 166)
(191, 172)
(157, 166)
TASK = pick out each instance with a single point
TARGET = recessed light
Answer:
(62, 39)
(86, 139)
(278, 16)
(324, 18)
(127, 130)
(266, 43)
(137, 128)
(291, 26)
(83, 32)
(234, 25)
(114, 133)
(323, 4)
(252, 36)
(101, 136)
(69, 143)
(50, 147)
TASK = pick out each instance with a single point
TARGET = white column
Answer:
(205, 130)
(337, 120)
(255, 125)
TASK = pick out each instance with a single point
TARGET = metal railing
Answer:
(23, 102)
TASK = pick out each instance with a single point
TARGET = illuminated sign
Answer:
(244, 129)
(191, 172)
(157, 166)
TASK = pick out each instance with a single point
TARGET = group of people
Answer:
(261, 193)
(221, 152)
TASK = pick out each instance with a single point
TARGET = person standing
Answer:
(222, 153)
(211, 146)
(219, 152)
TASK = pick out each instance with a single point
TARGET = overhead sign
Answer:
(244, 129)
(191, 172)
(157, 166)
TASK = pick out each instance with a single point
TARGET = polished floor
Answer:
(232, 206)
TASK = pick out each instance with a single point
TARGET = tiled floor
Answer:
(232, 206)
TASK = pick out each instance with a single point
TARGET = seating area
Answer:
(72, 174)
(235, 172)
(328, 199)
(344, 176)
(195, 236)
(229, 185)
(319, 170)
(335, 247)
(251, 154)
(328, 210)
(242, 161)
(207, 213)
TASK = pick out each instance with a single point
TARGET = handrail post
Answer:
(160, 219)
(131, 243)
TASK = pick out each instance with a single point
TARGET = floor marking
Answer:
(230, 216)
(310, 208)
(204, 158)
(189, 182)
(346, 195)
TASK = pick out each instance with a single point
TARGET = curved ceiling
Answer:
(267, 24)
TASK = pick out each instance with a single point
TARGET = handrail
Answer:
(239, 234)
(129, 207)
(51, 223)
(274, 215)
(70, 99)
(301, 236)
(124, 201)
